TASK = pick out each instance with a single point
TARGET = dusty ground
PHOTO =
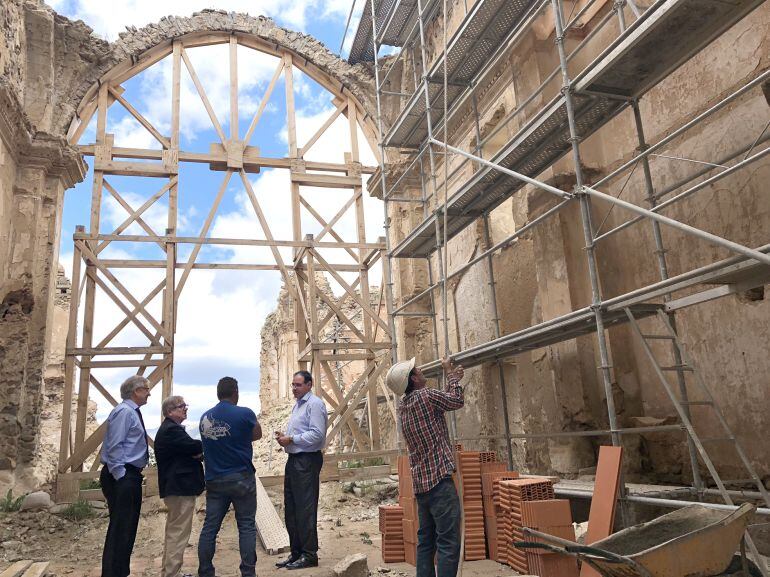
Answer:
(347, 524)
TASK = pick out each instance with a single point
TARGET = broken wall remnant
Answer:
(279, 360)
(36, 167)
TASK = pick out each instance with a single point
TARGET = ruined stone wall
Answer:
(278, 356)
(35, 169)
(543, 274)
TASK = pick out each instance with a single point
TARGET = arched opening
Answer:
(243, 170)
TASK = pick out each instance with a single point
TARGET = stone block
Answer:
(352, 566)
(37, 501)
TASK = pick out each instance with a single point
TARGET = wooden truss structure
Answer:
(232, 156)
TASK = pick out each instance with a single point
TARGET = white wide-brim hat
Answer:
(397, 377)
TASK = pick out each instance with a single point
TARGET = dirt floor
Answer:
(347, 524)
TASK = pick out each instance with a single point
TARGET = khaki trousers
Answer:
(178, 528)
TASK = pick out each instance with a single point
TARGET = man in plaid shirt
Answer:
(431, 460)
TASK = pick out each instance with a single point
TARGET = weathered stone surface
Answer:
(37, 501)
(355, 565)
(80, 69)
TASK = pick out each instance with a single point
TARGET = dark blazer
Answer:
(178, 473)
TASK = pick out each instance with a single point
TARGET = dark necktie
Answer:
(146, 445)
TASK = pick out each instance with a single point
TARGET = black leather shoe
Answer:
(287, 561)
(303, 562)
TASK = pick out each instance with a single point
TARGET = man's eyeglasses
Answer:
(185, 407)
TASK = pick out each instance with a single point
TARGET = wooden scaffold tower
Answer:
(236, 160)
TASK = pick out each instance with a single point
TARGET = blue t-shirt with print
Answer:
(226, 435)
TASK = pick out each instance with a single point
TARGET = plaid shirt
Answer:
(431, 457)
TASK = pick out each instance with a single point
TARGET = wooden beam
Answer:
(325, 180)
(269, 235)
(365, 307)
(204, 231)
(204, 98)
(252, 159)
(69, 364)
(291, 119)
(264, 101)
(133, 216)
(118, 168)
(93, 259)
(354, 427)
(233, 88)
(344, 417)
(118, 351)
(335, 310)
(127, 207)
(131, 315)
(324, 127)
(322, 222)
(141, 119)
(119, 327)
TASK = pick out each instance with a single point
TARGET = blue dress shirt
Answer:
(125, 441)
(307, 425)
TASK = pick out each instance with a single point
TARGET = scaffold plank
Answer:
(658, 43)
(395, 20)
(565, 328)
(545, 139)
(481, 33)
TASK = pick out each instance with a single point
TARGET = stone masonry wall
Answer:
(543, 274)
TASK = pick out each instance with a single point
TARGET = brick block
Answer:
(546, 513)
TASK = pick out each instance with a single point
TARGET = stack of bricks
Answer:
(408, 502)
(469, 465)
(391, 527)
(512, 496)
(552, 517)
(491, 474)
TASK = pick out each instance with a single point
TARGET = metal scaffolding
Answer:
(642, 46)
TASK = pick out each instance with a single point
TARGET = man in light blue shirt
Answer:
(304, 441)
(124, 454)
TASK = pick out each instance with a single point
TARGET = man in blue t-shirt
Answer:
(227, 432)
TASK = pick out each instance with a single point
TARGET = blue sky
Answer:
(220, 312)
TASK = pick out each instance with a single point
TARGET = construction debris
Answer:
(26, 568)
(355, 565)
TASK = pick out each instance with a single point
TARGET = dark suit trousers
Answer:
(301, 486)
(124, 499)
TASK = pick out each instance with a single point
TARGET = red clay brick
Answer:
(602, 514)
(546, 513)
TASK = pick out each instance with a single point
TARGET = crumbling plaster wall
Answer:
(36, 167)
(543, 273)
(48, 64)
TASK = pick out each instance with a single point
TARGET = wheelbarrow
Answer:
(694, 541)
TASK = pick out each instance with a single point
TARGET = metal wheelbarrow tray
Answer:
(694, 541)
